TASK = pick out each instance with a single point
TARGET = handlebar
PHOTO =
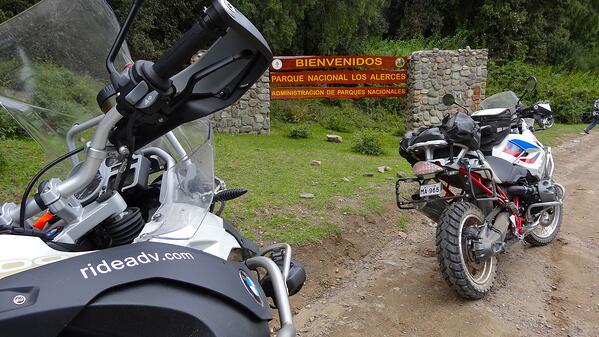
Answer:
(96, 154)
(208, 28)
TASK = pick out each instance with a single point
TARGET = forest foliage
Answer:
(557, 40)
(556, 32)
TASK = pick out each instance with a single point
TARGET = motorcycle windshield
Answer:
(52, 66)
(505, 100)
(187, 184)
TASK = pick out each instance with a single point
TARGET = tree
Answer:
(315, 27)
(278, 20)
(159, 24)
(564, 32)
(10, 8)
(500, 27)
(337, 26)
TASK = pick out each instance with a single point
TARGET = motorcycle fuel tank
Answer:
(144, 289)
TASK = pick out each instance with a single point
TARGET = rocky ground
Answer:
(375, 280)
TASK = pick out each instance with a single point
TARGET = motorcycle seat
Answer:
(432, 134)
(505, 171)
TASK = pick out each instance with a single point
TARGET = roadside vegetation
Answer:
(277, 170)
(570, 91)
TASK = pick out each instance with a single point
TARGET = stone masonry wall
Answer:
(434, 73)
(251, 114)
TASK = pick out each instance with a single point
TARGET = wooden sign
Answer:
(337, 92)
(283, 63)
(339, 77)
(350, 77)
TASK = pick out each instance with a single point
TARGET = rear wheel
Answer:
(549, 122)
(468, 278)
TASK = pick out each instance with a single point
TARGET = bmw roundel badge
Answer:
(250, 286)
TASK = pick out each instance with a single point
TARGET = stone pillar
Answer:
(434, 73)
(251, 114)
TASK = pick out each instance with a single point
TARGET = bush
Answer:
(9, 127)
(295, 111)
(390, 47)
(571, 94)
(299, 131)
(368, 142)
(343, 115)
(400, 131)
(337, 121)
(64, 97)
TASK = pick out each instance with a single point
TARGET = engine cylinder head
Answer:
(547, 191)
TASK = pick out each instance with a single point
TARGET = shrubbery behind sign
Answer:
(337, 70)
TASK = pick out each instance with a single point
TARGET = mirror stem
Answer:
(120, 39)
(463, 107)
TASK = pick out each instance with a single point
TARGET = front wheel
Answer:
(468, 278)
(550, 222)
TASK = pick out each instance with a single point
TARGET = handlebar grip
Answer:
(178, 55)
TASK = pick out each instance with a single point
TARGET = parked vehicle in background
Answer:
(539, 113)
(488, 182)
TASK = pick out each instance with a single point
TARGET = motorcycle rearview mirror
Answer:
(449, 100)
(531, 85)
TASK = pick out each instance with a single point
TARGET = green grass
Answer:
(402, 223)
(358, 211)
(550, 137)
(373, 204)
(276, 169)
(293, 230)
(343, 115)
(20, 159)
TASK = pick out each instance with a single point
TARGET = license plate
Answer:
(430, 190)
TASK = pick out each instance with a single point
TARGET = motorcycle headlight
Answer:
(536, 107)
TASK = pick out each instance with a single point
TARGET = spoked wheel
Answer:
(468, 278)
(550, 222)
(549, 122)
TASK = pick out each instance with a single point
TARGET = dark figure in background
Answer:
(595, 120)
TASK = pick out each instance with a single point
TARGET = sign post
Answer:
(338, 77)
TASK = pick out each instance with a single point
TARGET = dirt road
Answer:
(392, 287)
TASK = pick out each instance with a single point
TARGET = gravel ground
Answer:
(374, 280)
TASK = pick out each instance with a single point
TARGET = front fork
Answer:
(282, 271)
(281, 296)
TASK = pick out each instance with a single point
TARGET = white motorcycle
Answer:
(126, 244)
(487, 181)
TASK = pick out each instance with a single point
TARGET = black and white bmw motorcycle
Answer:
(539, 113)
(488, 182)
(126, 244)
